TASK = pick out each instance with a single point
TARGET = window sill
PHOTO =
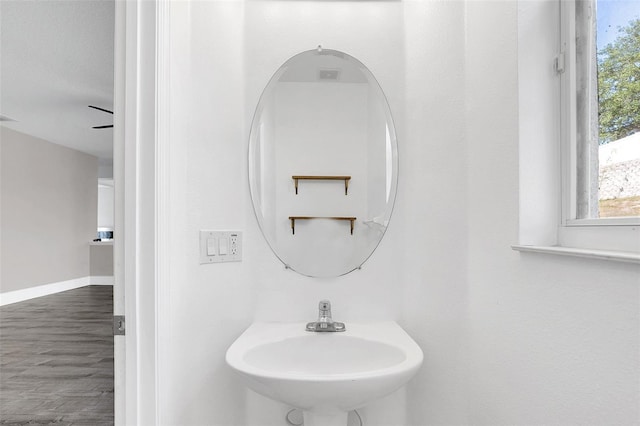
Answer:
(618, 256)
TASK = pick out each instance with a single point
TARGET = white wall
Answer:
(508, 338)
(105, 203)
(223, 56)
(432, 210)
(552, 340)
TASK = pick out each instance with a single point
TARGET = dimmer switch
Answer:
(220, 246)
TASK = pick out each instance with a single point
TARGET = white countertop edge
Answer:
(101, 243)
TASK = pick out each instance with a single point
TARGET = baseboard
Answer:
(101, 280)
(15, 296)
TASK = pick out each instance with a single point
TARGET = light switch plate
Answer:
(210, 246)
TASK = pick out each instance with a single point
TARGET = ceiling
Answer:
(56, 58)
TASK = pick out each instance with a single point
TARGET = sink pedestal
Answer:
(325, 419)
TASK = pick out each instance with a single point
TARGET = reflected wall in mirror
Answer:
(323, 163)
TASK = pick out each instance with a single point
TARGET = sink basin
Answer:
(325, 374)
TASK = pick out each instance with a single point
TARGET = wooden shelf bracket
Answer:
(346, 180)
(294, 218)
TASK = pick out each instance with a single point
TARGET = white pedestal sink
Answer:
(325, 374)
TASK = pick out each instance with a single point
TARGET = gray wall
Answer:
(49, 198)
(101, 260)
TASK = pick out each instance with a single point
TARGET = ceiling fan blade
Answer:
(108, 126)
(100, 109)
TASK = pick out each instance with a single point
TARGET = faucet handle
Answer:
(324, 305)
(325, 322)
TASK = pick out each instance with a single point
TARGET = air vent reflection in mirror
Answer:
(329, 74)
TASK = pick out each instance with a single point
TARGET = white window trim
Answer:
(555, 230)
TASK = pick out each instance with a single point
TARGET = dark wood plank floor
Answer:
(56, 359)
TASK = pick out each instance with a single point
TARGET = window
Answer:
(602, 105)
(548, 119)
(600, 119)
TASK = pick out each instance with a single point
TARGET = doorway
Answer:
(57, 67)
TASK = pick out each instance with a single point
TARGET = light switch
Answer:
(218, 246)
(223, 246)
(211, 246)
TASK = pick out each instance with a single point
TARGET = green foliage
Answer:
(619, 85)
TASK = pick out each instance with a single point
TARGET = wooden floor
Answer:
(56, 359)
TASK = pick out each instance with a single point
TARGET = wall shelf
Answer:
(294, 218)
(346, 180)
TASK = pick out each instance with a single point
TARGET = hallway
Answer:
(56, 359)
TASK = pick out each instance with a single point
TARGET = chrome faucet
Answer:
(325, 322)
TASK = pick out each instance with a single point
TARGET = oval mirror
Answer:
(323, 163)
